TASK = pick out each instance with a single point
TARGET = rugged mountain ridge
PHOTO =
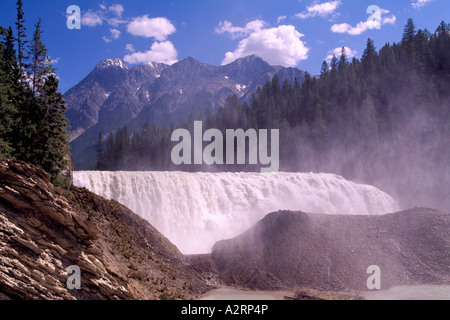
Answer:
(96, 95)
(115, 94)
(120, 255)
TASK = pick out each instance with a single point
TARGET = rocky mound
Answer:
(331, 252)
(44, 231)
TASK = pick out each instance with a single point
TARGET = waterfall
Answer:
(194, 210)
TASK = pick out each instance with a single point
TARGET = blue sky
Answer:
(300, 33)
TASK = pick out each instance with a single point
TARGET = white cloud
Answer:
(347, 28)
(237, 32)
(278, 46)
(159, 28)
(281, 19)
(55, 61)
(117, 9)
(129, 47)
(91, 19)
(112, 15)
(420, 3)
(115, 34)
(338, 51)
(162, 52)
(363, 26)
(319, 9)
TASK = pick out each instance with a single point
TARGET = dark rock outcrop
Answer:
(331, 252)
(44, 231)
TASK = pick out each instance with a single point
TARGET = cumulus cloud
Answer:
(162, 52)
(319, 9)
(338, 52)
(363, 26)
(238, 32)
(159, 28)
(420, 3)
(278, 46)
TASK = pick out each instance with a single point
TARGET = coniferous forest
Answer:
(32, 121)
(382, 119)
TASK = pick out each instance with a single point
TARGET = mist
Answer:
(195, 210)
(383, 120)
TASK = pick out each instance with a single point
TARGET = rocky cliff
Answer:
(332, 252)
(44, 230)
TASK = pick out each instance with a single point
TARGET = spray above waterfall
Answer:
(194, 210)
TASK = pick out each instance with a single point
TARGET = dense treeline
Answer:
(379, 118)
(32, 121)
(148, 149)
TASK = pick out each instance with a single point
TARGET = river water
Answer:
(422, 292)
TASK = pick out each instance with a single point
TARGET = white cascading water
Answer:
(194, 210)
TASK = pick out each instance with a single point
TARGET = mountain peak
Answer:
(155, 65)
(190, 61)
(251, 59)
(112, 63)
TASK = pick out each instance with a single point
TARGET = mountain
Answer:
(107, 89)
(115, 94)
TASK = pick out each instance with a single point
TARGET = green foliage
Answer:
(32, 122)
(355, 119)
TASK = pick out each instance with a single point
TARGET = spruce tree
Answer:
(35, 113)
(409, 32)
(53, 132)
(40, 65)
(343, 59)
(324, 69)
(21, 38)
(7, 110)
(409, 44)
(369, 58)
(14, 91)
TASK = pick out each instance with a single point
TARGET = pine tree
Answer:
(32, 110)
(54, 129)
(343, 59)
(409, 32)
(40, 65)
(21, 38)
(13, 92)
(334, 63)
(369, 58)
(6, 107)
(324, 69)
